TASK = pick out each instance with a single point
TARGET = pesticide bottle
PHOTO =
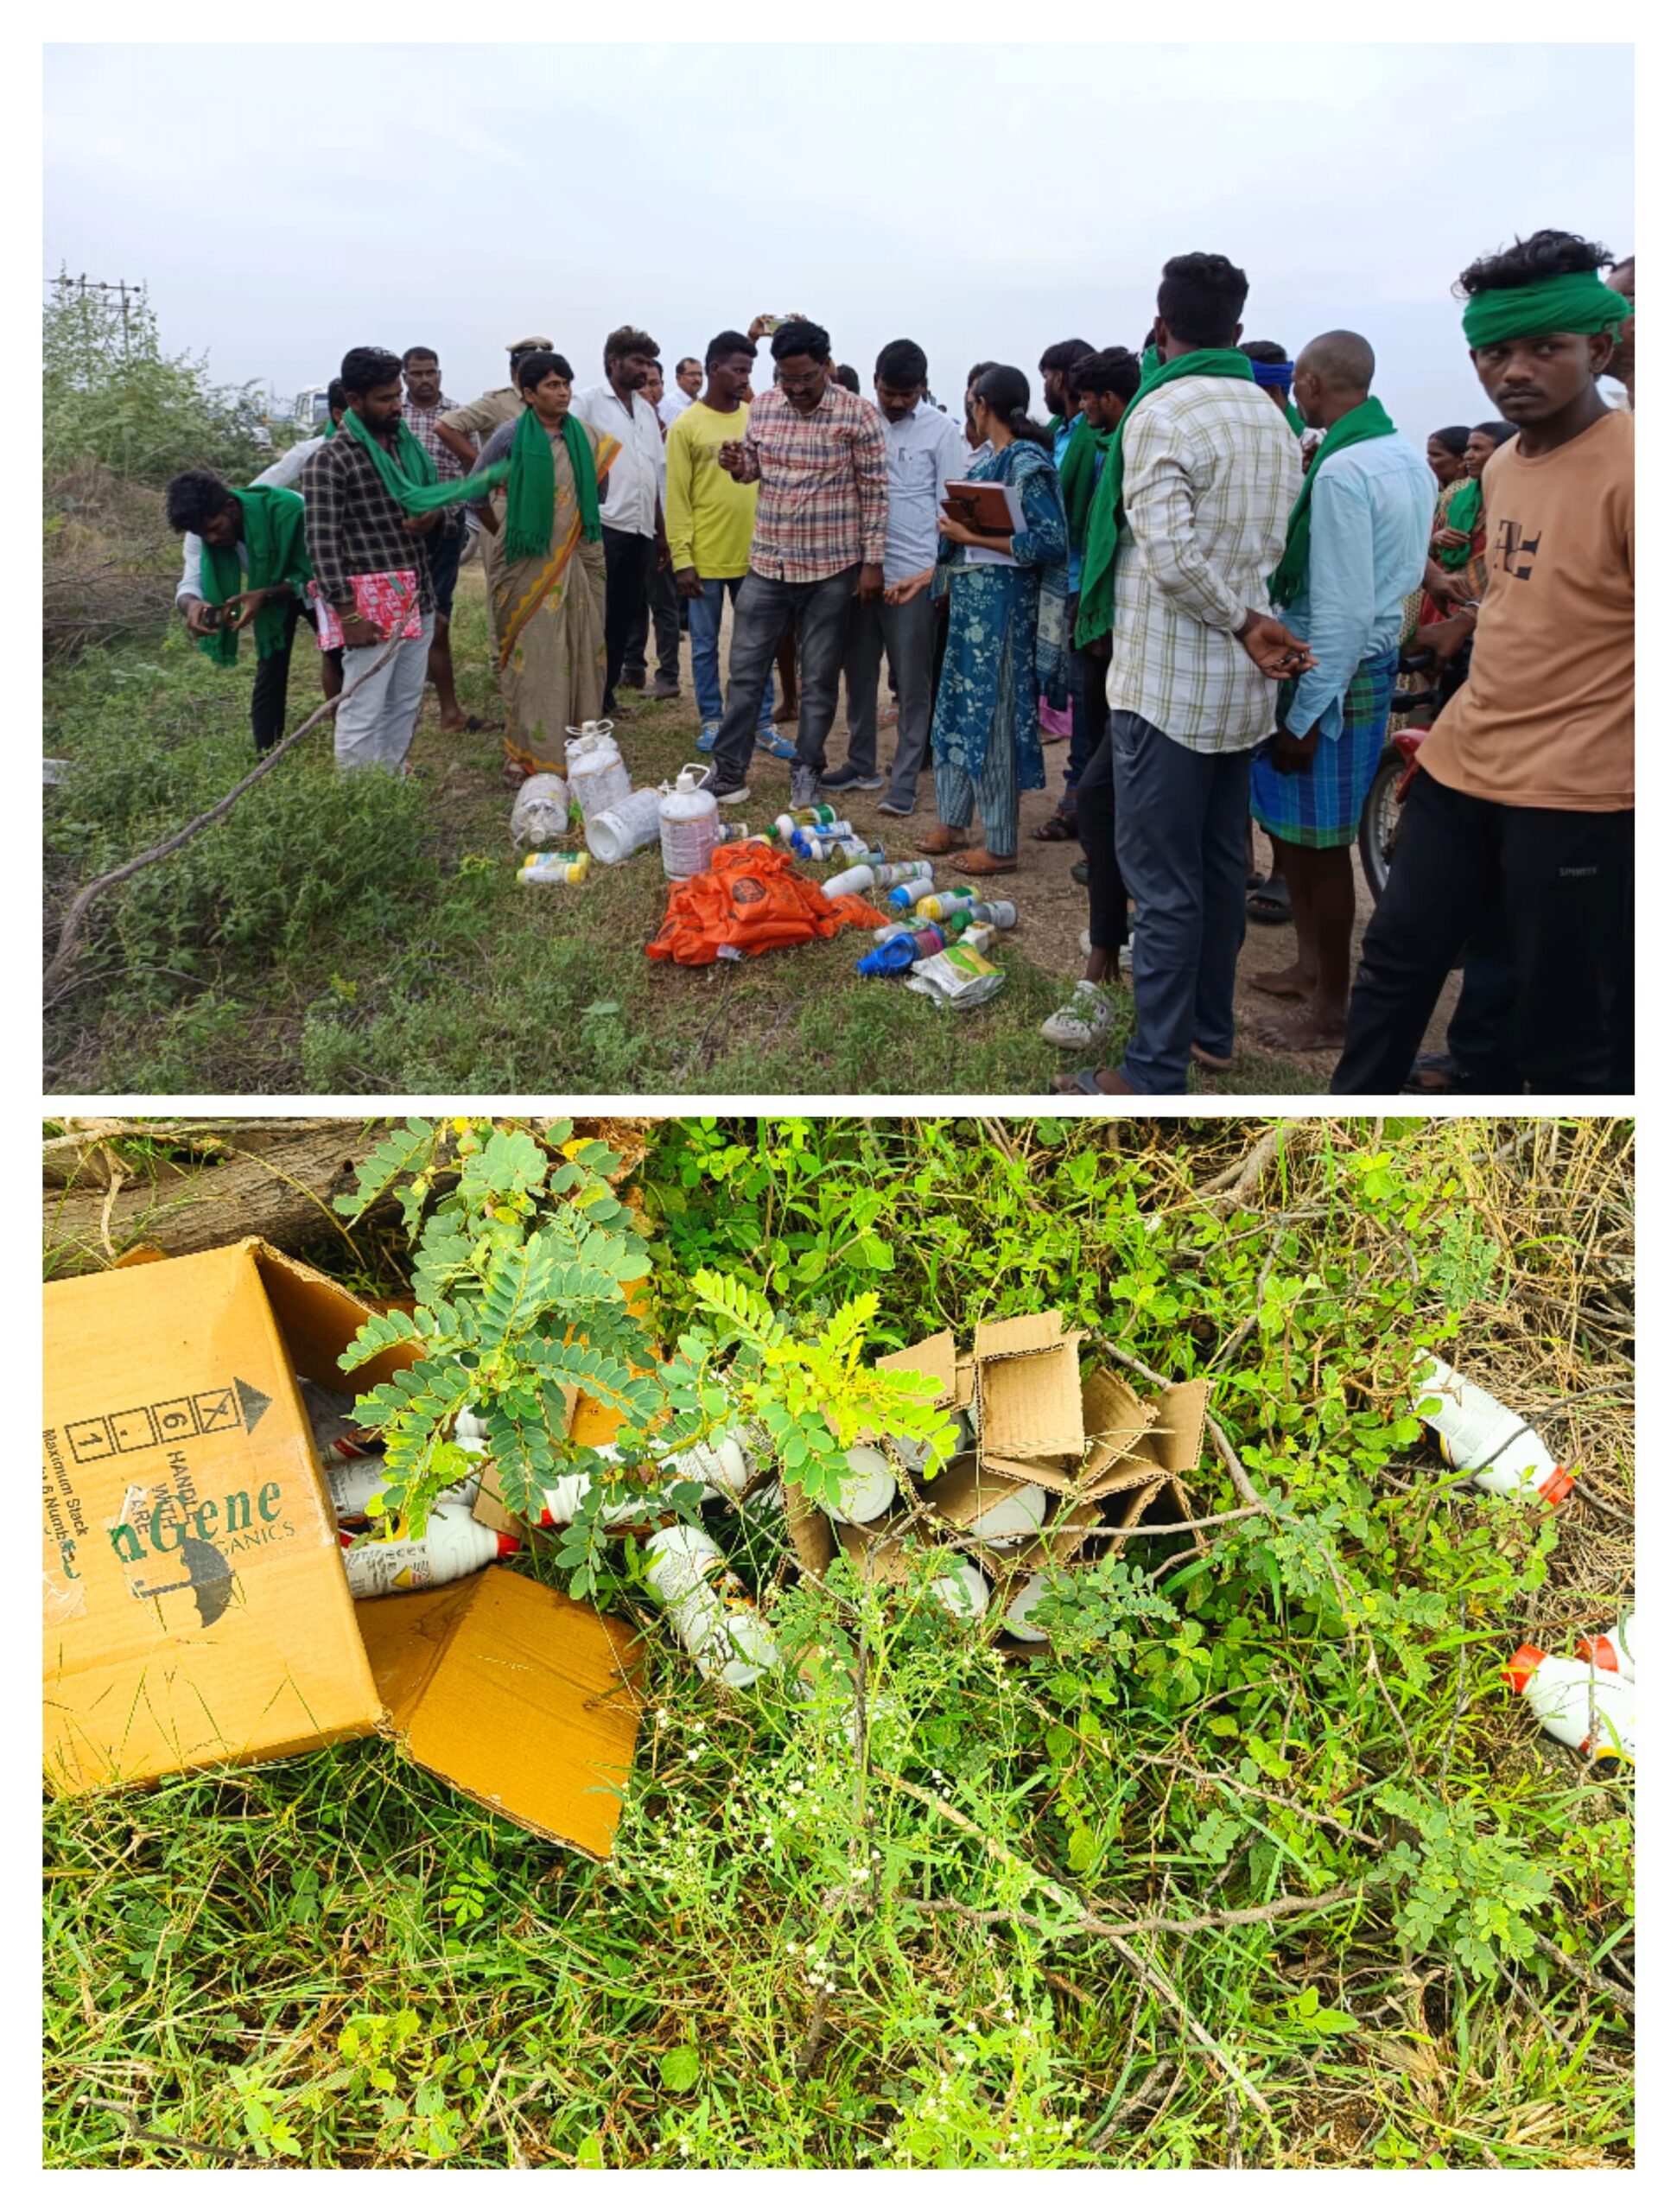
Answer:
(1011, 1519)
(855, 847)
(710, 1609)
(548, 868)
(965, 1593)
(1481, 1437)
(1027, 1599)
(724, 1464)
(857, 880)
(454, 1544)
(803, 817)
(687, 824)
(619, 831)
(915, 1450)
(814, 844)
(1614, 1653)
(737, 833)
(1595, 1714)
(594, 769)
(869, 1489)
(907, 895)
(978, 937)
(942, 904)
(899, 872)
(996, 913)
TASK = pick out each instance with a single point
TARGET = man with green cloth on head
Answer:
(1188, 522)
(372, 497)
(1519, 829)
(1355, 549)
(245, 565)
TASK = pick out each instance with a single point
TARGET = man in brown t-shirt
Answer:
(1519, 826)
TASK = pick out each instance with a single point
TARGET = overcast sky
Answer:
(984, 200)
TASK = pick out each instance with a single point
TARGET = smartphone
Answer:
(773, 322)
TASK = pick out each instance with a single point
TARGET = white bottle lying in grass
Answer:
(722, 1467)
(454, 1544)
(1482, 1437)
(869, 1489)
(1595, 1713)
(1027, 1597)
(965, 1593)
(1614, 1653)
(709, 1608)
(1011, 1519)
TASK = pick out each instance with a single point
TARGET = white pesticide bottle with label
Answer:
(594, 769)
(1481, 1436)
(1596, 1714)
(869, 1489)
(709, 1608)
(965, 1593)
(724, 1464)
(1615, 1653)
(453, 1545)
(687, 824)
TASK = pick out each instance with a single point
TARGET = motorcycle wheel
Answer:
(1377, 832)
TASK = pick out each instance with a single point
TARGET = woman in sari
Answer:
(1006, 641)
(546, 567)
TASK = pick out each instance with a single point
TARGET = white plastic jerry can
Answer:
(687, 824)
(1482, 1437)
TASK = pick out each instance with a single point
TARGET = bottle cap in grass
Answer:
(1523, 1665)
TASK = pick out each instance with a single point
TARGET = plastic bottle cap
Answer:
(505, 1544)
(1598, 1651)
(1556, 1489)
(1523, 1665)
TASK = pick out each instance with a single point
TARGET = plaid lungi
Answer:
(1322, 805)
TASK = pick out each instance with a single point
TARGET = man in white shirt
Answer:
(632, 513)
(924, 450)
(689, 382)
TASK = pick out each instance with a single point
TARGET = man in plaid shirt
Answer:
(425, 402)
(356, 529)
(819, 453)
(1210, 471)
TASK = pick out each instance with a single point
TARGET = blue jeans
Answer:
(704, 630)
(1181, 840)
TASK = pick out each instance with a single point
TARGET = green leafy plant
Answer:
(1471, 1889)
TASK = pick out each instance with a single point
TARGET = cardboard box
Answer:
(196, 1609)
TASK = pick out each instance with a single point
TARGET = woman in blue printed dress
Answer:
(1006, 640)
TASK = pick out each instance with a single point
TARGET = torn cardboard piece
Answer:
(198, 1612)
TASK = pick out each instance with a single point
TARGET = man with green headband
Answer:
(1187, 525)
(1355, 549)
(1519, 829)
(372, 497)
(244, 567)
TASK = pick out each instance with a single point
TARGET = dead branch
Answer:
(1236, 1185)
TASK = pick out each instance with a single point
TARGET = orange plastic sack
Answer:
(751, 898)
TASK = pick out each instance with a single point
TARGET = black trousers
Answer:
(1547, 890)
(1098, 827)
(268, 692)
(668, 610)
(628, 559)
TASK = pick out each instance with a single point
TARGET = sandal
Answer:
(940, 840)
(1271, 903)
(1060, 829)
(1084, 1079)
(979, 861)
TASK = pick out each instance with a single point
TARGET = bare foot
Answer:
(1289, 982)
(1308, 1031)
(786, 711)
(454, 721)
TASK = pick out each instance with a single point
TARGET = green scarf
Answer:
(529, 486)
(409, 474)
(1579, 303)
(270, 525)
(1467, 504)
(1370, 420)
(1078, 477)
(1106, 513)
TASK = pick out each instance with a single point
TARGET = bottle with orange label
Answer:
(1595, 1713)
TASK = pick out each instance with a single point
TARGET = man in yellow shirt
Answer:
(709, 516)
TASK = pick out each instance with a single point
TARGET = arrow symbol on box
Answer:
(253, 1403)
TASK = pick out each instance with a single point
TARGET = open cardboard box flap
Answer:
(934, 1356)
(196, 1609)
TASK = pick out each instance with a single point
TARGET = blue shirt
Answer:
(923, 453)
(1074, 566)
(1370, 518)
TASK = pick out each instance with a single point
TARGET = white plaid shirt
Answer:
(422, 421)
(1210, 473)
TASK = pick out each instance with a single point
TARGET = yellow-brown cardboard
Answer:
(515, 1695)
(933, 1355)
(171, 1416)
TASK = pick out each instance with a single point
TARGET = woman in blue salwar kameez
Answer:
(1007, 637)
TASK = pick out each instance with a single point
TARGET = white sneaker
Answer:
(1075, 1027)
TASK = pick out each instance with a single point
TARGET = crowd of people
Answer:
(1217, 567)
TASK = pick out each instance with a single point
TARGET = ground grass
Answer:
(370, 938)
(798, 1959)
